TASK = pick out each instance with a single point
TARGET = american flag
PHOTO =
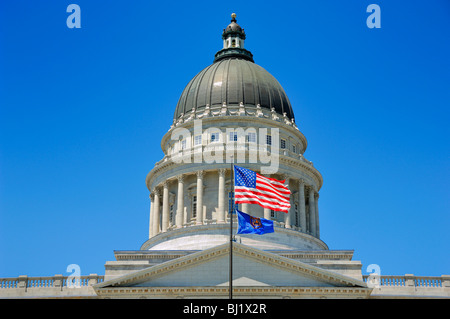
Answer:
(252, 188)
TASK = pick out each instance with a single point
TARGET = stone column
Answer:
(245, 208)
(221, 195)
(317, 215)
(152, 208)
(155, 219)
(180, 202)
(267, 214)
(165, 210)
(312, 213)
(287, 216)
(199, 218)
(301, 205)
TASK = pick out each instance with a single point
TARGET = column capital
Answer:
(316, 195)
(301, 181)
(152, 196)
(200, 174)
(180, 178)
(165, 184)
(156, 191)
(222, 171)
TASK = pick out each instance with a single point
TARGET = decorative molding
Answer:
(200, 173)
(222, 171)
(280, 292)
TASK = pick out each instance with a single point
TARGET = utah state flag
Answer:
(253, 225)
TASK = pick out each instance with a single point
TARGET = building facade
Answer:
(231, 112)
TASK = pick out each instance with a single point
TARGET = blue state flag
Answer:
(253, 225)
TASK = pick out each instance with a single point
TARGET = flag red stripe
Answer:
(261, 193)
(270, 179)
(271, 188)
(268, 192)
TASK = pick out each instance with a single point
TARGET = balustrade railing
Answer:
(9, 282)
(89, 280)
(50, 281)
(407, 281)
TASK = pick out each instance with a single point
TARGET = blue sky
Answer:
(82, 113)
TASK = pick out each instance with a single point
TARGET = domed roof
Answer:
(233, 80)
(233, 27)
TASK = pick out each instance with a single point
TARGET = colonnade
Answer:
(303, 215)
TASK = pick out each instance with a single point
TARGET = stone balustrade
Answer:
(409, 280)
(26, 284)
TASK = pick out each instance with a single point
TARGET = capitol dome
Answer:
(233, 111)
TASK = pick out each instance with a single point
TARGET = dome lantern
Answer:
(233, 37)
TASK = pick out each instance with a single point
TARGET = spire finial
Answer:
(233, 17)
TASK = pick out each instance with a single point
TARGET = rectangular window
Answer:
(183, 144)
(268, 139)
(214, 137)
(194, 206)
(251, 137)
(171, 214)
(198, 140)
(294, 149)
(233, 137)
(272, 213)
(283, 144)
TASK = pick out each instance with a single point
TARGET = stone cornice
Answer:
(310, 255)
(242, 291)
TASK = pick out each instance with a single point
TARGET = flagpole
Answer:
(230, 280)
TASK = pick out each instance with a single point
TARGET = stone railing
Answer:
(408, 280)
(57, 281)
